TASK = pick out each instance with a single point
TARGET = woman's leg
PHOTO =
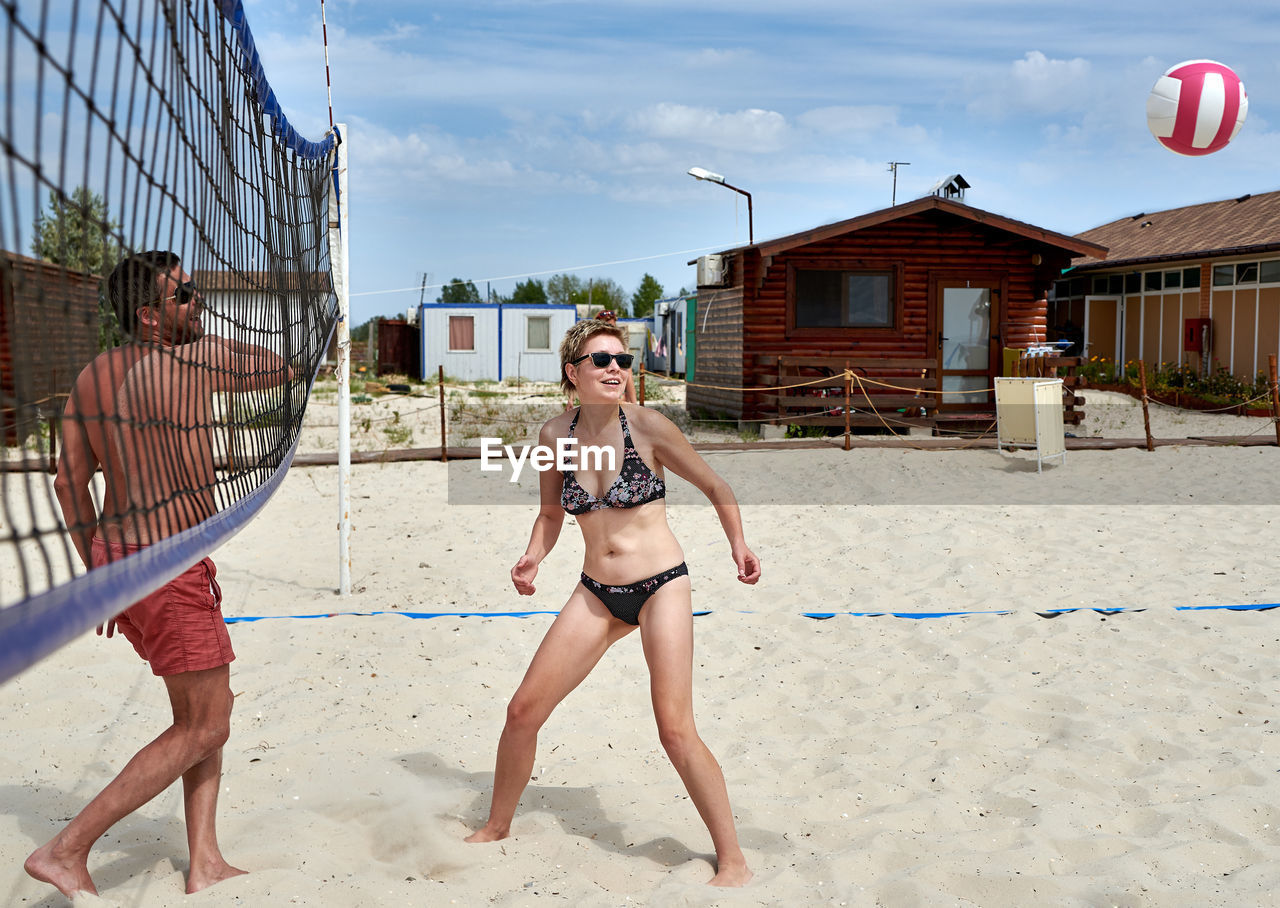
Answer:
(577, 639)
(666, 628)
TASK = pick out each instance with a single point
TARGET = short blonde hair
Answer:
(576, 338)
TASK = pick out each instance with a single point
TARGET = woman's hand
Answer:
(748, 565)
(523, 573)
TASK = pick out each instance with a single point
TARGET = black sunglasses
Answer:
(601, 359)
(183, 293)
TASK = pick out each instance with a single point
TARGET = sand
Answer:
(997, 758)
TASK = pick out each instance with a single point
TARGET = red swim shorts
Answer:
(179, 627)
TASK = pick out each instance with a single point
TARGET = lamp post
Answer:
(699, 173)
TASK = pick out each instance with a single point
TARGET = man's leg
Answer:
(201, 722)
(200, 785)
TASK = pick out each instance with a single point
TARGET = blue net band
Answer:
(36, 627)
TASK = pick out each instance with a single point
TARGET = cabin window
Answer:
(1269, 272)
(844, 299)
(462, 333)
(537, 333)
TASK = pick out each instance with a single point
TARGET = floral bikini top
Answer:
(636, 483)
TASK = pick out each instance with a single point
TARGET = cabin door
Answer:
(967, 312)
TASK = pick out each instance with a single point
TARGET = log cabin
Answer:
(919, 298)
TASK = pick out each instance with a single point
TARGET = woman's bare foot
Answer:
(737, 874)
(67, 873)
(486, 834)
(203, 877)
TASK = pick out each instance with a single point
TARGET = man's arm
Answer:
(238, 366)
(76, 466)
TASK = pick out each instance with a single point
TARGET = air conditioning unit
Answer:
(711, 271)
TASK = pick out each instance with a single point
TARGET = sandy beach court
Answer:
(982, 759)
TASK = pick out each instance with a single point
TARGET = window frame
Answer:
(448, 334)
(895, 268)
(528, 318)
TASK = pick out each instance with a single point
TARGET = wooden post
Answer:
(444, 429)
(642, 374)
(847, 383)
(1275, 396)
(1146, 413)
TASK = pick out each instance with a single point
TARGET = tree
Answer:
(458, 291)
(604, 293)
(562, 287)
(530, 291)
(648, 293)
(78, 234)
(599, 293)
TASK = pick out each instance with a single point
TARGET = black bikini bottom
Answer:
(625, 602)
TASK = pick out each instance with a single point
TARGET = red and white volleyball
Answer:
(1197, 107)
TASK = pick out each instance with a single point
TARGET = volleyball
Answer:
(1197, 107)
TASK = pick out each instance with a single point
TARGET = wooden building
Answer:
(926, 295)
(1197, 285)
(49, 331)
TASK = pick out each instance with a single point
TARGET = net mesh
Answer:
(166, 299)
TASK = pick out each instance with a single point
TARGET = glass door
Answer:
(964, 344)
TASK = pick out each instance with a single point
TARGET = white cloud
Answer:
(747, 130)
(1035, 84)
(712, 57)
(424, 163)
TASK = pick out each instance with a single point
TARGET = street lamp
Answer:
(699, 173)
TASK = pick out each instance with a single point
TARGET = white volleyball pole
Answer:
(338, 248)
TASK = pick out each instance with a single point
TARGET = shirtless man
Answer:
(143, 412)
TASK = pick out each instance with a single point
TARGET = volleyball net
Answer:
(167, 296)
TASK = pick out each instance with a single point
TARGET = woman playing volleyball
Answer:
(633, 576)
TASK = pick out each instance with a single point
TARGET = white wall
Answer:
(477, 365)
(517, 357)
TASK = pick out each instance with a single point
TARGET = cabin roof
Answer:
(1239, 226)
(1073, 245)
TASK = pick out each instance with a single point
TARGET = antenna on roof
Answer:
(893, 166)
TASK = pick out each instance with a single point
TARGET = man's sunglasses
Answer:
(601, 359)
(183, 294)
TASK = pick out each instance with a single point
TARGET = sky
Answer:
(490, 141)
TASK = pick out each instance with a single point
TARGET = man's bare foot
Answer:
(731, 875)
(487, 835)
(204, 877)
(68, 874)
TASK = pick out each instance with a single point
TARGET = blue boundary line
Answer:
(244, 620)
(822, 616)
